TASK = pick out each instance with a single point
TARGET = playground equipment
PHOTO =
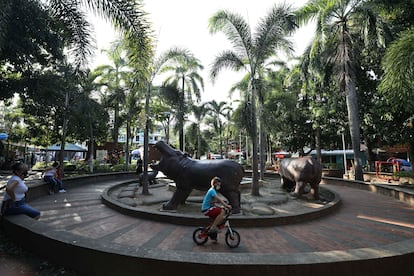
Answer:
(387, 169)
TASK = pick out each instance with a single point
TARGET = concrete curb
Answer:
(93, 258)
(390, 259)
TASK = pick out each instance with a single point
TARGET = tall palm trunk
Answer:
(352, 105)
(262, 142)
(64, 129)
(220, 140)
(128, 132)
(347, 84)
(253, 135)
(91, 145)
(181, 128)
(318, 144)
(181, 117)
(198, 142)
(145, 190)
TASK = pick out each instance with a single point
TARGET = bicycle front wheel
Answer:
(232, 239)
(199, 236)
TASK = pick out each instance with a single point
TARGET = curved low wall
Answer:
(400, 193)
(39, 187)
(92, 258)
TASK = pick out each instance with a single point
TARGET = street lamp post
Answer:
(167, 134)
(240, 147)
(185, 119)
(344, 148)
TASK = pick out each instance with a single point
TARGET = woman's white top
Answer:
(19, 190)
(51, 172)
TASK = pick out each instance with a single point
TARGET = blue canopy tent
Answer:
(71, 151)
(68, 147)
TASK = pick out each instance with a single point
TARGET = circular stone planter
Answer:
(273, 207)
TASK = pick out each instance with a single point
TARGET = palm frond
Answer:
(126, 15)
(169, 59)
(226, 59)
(309, 12)
(79, 29)
(235, 28)
(273, 30)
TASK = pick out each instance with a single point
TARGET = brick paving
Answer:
(364, 219)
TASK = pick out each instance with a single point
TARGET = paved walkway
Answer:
(364, 220)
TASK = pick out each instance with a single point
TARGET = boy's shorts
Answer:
(212, 212)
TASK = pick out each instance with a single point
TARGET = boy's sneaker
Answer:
(50, 192)
(62, 191)
(213, 231)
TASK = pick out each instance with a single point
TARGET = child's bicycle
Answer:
(232, 237)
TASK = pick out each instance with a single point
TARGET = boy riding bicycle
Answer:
(209, 208)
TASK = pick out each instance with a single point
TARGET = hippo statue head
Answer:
(168, 154)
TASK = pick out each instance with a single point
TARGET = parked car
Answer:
(216, 156)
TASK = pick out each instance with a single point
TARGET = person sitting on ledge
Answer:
(14, 198)
(50, 175)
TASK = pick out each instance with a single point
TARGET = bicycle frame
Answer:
(232, 237)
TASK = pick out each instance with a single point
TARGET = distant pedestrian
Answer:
(32, 160)
(51, 176)
(139, 166)
(14, 198)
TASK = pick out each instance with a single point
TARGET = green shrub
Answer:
(405, 174)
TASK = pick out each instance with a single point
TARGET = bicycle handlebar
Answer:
(228, 211)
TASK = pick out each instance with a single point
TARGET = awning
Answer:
(68, 147)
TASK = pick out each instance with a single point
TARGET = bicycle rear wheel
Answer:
(200, 237)
(232, 239)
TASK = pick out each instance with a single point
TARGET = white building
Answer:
(138, 136)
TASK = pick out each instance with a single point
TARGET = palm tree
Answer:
(147, 68)
(399, 74)
(113, 78)
(250, 53)
(398, 66)
(217, 111)
(199, 113)
(131, 110)
(338, 24)
(89, 115)
(184, 69)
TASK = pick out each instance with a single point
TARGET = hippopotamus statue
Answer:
(189, 174)
(295, 173)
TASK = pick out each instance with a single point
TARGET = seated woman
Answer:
(50, 175)
(14, 198)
